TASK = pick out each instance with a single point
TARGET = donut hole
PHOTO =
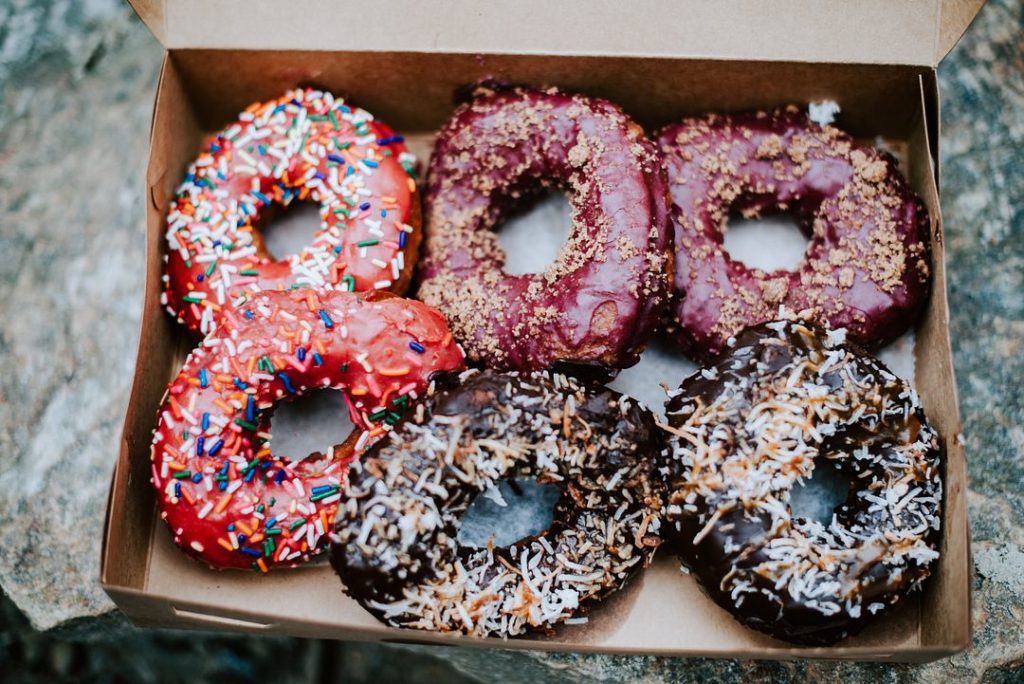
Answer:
(533, 236)
(818, 497)
(314, 422)
(661, 367)
(771, 242)
(289, 230)
(516, 508)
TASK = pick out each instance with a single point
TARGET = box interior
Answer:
(661, 611)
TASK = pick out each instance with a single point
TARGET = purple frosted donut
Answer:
(866, 267)
(600, 300)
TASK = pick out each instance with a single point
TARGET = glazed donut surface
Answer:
(395, 546)
(785, 399)
(229, 501)
(866, 267)
(305, 145)
(602, 297)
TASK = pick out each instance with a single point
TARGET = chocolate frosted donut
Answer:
(601, 298)
(866, 267)
(785, 399)
(395, 545)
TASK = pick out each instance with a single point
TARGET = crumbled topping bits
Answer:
(866, 267)
(785, 399)
(603, 295)
(305, 145)
(228, 500)
(395, 544)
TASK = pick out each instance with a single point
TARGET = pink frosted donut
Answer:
(866, 267)
(306, 144)
(228, 499)
(599, 301)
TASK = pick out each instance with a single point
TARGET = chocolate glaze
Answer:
(395, 545)
(866, 267)
(785, 399)
(602, 297)
(253, 355)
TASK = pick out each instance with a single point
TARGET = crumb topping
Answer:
(868, 252)
(499, 151)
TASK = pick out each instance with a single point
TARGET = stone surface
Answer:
(73, 139)
(76, 87)
(109, 650)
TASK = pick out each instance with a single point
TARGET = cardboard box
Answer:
(660, 59)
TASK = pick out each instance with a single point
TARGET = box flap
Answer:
(954, 18)
(918, 32)
(152, 14)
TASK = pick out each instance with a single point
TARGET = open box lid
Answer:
(916, 32)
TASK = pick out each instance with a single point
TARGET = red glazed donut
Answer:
(304, 145)
(227, 499)
(602, 297)
(866, 267)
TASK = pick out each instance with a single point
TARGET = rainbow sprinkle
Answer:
(305, 145)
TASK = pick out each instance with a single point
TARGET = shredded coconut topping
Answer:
(788, 398)
(395, 545)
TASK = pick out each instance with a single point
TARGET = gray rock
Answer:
(74, 140)
(76, 86)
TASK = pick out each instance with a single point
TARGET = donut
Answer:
(395, 543)
(866, 267)
(787, 398)
(305, 145)
(602, 297)
(229, 501)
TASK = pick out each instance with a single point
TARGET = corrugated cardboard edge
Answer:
(115, 576)
(930, 95)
